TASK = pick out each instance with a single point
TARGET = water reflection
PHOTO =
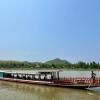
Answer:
(16, 91)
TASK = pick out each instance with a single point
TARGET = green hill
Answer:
(58, 61)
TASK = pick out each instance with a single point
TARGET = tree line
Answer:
(30, 65)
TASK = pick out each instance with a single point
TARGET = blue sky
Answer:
(40, 30)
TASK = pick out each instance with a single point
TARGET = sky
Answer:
(41, 30)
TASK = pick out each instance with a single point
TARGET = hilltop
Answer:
(58, 61)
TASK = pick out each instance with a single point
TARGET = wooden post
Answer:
(25, 76)
(45, 77)
(17, 76)
(58, 75)
(39, 77)
(53, 75)
(33, 76)
(12, 76)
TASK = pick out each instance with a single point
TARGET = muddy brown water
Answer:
(19, 91)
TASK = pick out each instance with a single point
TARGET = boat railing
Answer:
(78, 80)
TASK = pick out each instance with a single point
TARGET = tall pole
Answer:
(58, 75)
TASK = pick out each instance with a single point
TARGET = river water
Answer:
(19, 91)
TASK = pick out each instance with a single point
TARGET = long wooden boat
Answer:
(53, 80)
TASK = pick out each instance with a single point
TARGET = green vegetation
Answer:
(56, 63)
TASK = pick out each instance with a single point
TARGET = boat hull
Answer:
(48, 83)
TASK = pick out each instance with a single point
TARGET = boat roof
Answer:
(21, 72)
(48, 71)
(31, 71)
(2, 71)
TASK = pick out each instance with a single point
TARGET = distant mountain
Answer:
(58, 61)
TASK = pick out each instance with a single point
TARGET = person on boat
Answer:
(93, 76)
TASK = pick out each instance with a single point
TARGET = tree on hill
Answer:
(59, 63)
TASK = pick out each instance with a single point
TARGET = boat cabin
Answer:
(45, 75)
